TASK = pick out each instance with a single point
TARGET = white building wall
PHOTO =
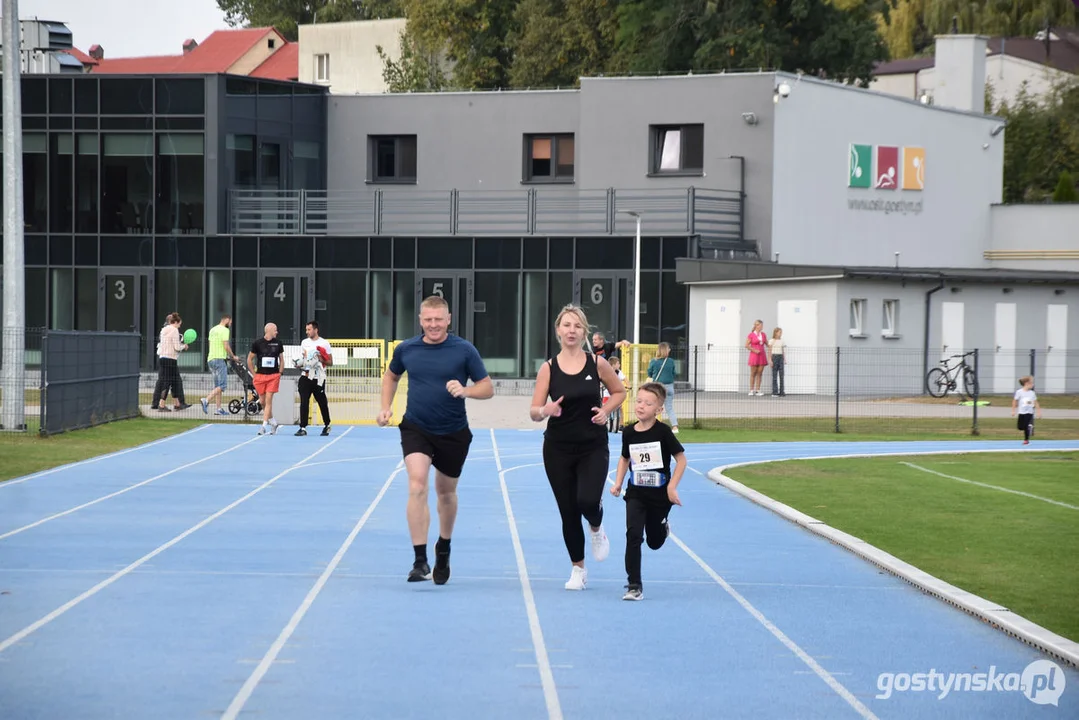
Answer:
(355, 66)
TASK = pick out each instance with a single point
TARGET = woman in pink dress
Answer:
(757, 344)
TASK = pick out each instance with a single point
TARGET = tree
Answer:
(287, 15)
(1065, 191)
(471, 33)
(555, 42)
(416, 70)
(1041, 141)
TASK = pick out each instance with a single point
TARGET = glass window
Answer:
(340, 303)
(673, 316)
(381, 321)
(60, 96)
(393, 158)
(496, 321)
(890, 323)
(498, 253)
(180, 183)
(537, 320)
(34, 96)
(180, 96)
(269, 166)
(535, 256)
(605, 253)
(62, 299)
(61, 182)
(36, 297)
(127, 96)
(86, 96)
(306, 165)
(549, 158)
(182, 291)
(406, 323)
(649, 307)
(240, 160)
(677, 149)
(444, 253)
(322, 67)
(86, 193)
(35, 182)
(86, 294)
(218, 298)
(562, 254)
(127, 183)
(245, 319)
(561, 284)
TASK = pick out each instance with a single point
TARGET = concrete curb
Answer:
(1057, 646)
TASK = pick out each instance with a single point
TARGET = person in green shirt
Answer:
(219, 350)
(661, 370)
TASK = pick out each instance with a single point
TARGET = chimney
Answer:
(960, 72)
(97, 52)
(189, 45)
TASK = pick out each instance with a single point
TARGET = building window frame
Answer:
(890, 318)
(322, 67)
(857, 317)
(689, 149)
(561, 146)
(404, 159)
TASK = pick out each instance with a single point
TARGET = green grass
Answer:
(1048, 402)
(23, 454)
(1017, 551)
(823, 429)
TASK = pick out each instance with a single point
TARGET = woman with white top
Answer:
(779, 385)
(169, 347)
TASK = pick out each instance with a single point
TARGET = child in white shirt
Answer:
(1026, 401)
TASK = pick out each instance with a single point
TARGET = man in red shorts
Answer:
(264, 362)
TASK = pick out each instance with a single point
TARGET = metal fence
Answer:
(874, 390)
(716, 216)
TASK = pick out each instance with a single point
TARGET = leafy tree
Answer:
(472, 34)
(1041, 141)
(1065, 190)
(555, 42)
(416, 70)
(288, 15)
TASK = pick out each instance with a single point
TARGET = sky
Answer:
(130, 28)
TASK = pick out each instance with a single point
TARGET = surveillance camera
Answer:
(784, 89)
(750, 118)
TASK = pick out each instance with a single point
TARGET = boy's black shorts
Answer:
(447, 452)
(1024, 421)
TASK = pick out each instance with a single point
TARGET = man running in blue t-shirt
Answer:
(434, 430)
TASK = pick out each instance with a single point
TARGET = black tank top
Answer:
(582, 393)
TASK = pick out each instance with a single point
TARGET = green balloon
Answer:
(190, 336)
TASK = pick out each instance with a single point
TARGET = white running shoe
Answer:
(577, 578)
(274, 427)
(262, 429)
(601, 546)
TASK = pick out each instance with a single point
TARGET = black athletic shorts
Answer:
(1024, 421)
(447, 452)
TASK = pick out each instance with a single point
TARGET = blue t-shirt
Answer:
(430, 367)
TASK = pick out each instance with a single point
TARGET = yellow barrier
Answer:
(635, 359)
(354, 383)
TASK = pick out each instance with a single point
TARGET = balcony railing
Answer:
(716, 217)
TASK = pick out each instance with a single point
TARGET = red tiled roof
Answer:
(282, 65)
(217, 53)
(81, 56)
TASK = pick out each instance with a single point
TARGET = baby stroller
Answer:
(251, 396)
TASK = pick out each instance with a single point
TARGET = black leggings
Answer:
(644, 517)
(307, 388)
(168, 379)
(577, 475)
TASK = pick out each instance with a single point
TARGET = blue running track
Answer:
(217, 574)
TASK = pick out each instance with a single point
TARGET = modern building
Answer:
(278, 201)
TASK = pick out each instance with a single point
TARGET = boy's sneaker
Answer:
(578, 577)
(633, 592)
(205, 406)
(274, 427)
(441, 572)
(262, 429)
(601, 546)
(301, 432)
(325, 431)
(420, 571)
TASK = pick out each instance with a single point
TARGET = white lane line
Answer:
(550, 691)
(88, 461)
(823, 674)
(129, 488)
(991, 487)
(33, 627)
(238, 702)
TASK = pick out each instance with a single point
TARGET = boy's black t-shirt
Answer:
(267, 355)
(649, 453)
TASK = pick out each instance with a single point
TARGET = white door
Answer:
(798, 318)
(951, 329)
(1004, 351)
(1056, 351)
(720, 364)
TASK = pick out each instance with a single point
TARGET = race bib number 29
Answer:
(646, 456)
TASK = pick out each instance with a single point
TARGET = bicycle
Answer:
(941, 380)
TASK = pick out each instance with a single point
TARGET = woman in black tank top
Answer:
(576, 454)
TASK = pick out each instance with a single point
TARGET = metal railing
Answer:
(716, 216)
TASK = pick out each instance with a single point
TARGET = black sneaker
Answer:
(301, 432)
(441, 573)
(420, 571)
(633, 592)
(325, 431)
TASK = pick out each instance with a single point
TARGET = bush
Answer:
(1065, 190)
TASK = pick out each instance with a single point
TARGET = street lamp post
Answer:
(635, 377)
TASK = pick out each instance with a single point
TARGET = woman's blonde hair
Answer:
(775, 333)
(663, 349)
(573, 310)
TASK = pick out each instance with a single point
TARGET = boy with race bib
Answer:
(647, 449)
